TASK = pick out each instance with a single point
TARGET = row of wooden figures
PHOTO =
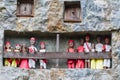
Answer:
(85, 46)
(24, 63)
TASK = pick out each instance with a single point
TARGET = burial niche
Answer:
(72, 11)
(25, 8)
(56, 45)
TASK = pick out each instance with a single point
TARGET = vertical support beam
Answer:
(1, 47)
(57, 48)
(57, 42)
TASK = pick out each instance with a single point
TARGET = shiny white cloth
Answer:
(32, 50)
(42, 63)
(86, 48)
(99, 47)
(31, 63)
(107, 61)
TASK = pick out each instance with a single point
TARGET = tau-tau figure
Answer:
(87, 47)
(24, 61)
(43, 61)
(80, 62)
(107, 48)
(15, 62)
(93, 61)
(7, 49)
(32, 50)
(98, 49)
(71, 62)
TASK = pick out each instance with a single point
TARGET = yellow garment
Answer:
(93, 64)
(99, 64)
(7, 63)
(14, 64)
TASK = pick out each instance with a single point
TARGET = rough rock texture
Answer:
(8, 73)
(97, 15)
(116, 48)
(1, 47)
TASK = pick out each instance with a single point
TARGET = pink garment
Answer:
(24, 64)
(80, 49)
(80, 62)
(71, 62)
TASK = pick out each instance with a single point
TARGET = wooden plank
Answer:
(59, 55)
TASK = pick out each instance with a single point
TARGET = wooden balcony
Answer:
(60, 55)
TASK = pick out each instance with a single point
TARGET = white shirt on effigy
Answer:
(9, 50)
(107, 48)
(86, 48)
(42, 50)
(42, 63)
(99, 47)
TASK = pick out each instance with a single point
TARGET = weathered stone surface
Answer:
(97, 15)
(116, 48)
(39, 74)
(8, 73)
(1, 47)
(58, 74)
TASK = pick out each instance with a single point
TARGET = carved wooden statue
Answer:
(99, 48)
(7, 49)
(107, 48)
(43, 61)
(32, 50)
(87, 47)
(80, 62)
(71, 62)
(15, 62)
(24, 61)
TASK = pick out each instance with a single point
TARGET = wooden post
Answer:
(57, 49)
(3, 48)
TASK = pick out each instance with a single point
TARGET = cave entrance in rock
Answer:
(56, 45)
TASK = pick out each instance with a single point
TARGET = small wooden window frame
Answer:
(18, 8)
(72, 4)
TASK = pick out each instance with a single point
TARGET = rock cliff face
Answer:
(58, 74)
(97, 15)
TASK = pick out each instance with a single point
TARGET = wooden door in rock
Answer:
(25, 8)
(72, 11)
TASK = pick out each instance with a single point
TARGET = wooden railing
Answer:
(60, 55)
